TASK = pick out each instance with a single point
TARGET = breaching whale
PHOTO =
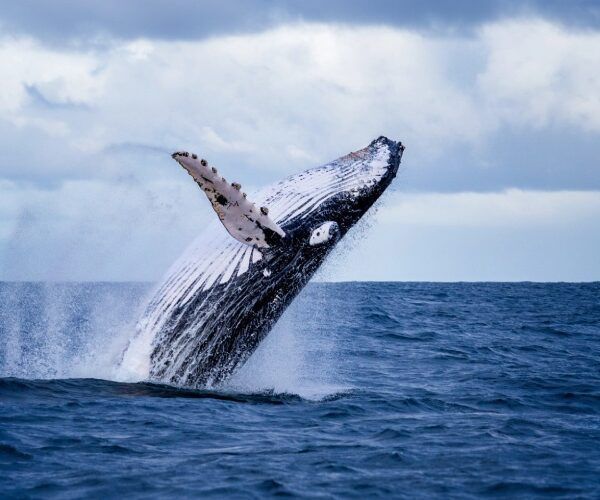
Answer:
(223, 296)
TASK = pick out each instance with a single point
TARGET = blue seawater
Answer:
(363, 390)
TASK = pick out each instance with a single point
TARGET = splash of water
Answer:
(291, 360)
(65, 330)
(81, 331)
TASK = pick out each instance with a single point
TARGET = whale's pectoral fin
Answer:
(242, 219)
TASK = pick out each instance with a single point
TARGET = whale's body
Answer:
(223, 296)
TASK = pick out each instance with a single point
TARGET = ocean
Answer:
(363, 390)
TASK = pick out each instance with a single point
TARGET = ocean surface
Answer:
(364, 390)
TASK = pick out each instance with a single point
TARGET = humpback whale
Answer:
(223, 296)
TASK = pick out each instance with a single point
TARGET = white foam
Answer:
(51, 341)
(290, 361)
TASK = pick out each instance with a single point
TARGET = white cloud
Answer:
(60, 77)
(538, 73)
(95, 128)
(318, 89)
(511, 208)
(507, 236)
(96, 230)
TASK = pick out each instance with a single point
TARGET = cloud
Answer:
(511, 208)
(513, 235)
(551, 78)
(96, 230)
(85, 132)
(51, 76)
(90, 230)
(275, 100)
(67, 22)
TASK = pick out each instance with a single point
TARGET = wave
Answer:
(86, 389)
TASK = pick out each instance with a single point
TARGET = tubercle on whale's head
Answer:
(396, 149)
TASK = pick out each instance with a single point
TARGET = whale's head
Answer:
(318, 206)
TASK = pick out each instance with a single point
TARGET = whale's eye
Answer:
(326, 232)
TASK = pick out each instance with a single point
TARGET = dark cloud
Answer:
(39, 99)
(67, 21)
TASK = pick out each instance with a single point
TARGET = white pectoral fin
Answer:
(242, 219)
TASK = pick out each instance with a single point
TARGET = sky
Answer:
(497, 103)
